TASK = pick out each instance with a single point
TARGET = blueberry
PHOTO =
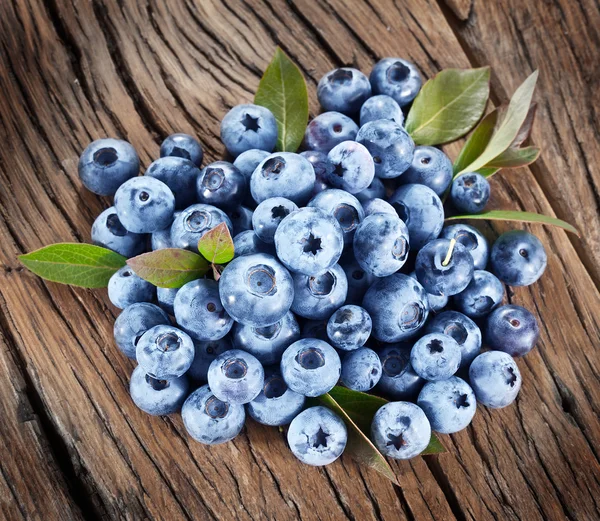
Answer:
(246, 127)
(435, 357)
(422, 212)
(247, 162)
(317, 436)
(106, 164)
(126, 288)
(472, 239)
(315, 329)
(448, 404)
(199, 312)
(400, 430)
(309, 241)
(396, 78)
(343, 90)
(436, 302)
(512, 329)
(462, 329)
(328, 130)
(310, 367)
(376, 190)
(165, 352)
(179, 175)
(276, 404)
(389, 145)
(378, 206)
(398, 379)
(351, 167)
(283, 174)
(157, 397)
(193, 222)
(398, 307)
(133, 322)
(361, 369)
(349, 328)
(144, 205)
(359, 280)
(483, 294)
(269, 214)
(381, 107)
(241, 219)
(221, 184)
(205, 353)
(429, 167)
(166, 299)
(247, 243)
(162, 238)
(108, 232)
(346, 209)
(182, 145)
(316, 297)
(209, 420)
(256, 290)
(518, 258)
(236, 377)
(443, 268)
(381, 244)
(495, 379)
(267, 343)
(320, 165)
(470, 193)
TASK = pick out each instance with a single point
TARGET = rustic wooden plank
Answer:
(144, 71)
(561, 39)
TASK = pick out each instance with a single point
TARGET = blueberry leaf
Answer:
(510, 128)
(512, 158)
(526, 217)
(216, 245)
(282, 90)
(449, 105)
(83, 265)
(170, 267)
(476, 142)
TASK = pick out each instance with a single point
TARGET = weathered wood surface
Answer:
(73, 444)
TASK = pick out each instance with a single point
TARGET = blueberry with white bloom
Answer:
(269, 214)
(381, 107)
(241, 219)
(106, 164)
(320, 165)
(460, 327)
(144, 205)
(247, 162)
(205, 352)
(133, 322)
(359, 280)
(236, 377)
(248, 243)
(436, 302)
(518, 258)
(157, 397)
(398, 379)
(512, 329)
(108, 232)
(397, 78)
(448, 404)
(166, 299)
(376, 190)
(435, 357)
(361, 369)
(165, 352)
(126, 288)
(346, 209)
(317, 436)
(310, 367)
(378, 206)
(209, 420)
(276, 404)
(351, 167)
(495, 379)
(182, 145)
(221, 184)
(483, 294)
(179, 175)
(328, 130)
(400, 430)
(429, 167)
(343, 90)
(349, 328)
(317, 296)
(193, 222)
(470, 193)
(248, 126)
(472, 239)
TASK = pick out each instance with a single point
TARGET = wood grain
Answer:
(75, 71)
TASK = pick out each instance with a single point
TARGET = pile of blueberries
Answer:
(343, 273)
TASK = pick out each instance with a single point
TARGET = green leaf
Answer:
(449, 105)
(513, 158)
(477, 141)
(169, 268)
(83, 265)
(516, 115)
(511, 215)
(282, 90)
(359, 446)
(526, 127)
(216, 245)
(361, 407)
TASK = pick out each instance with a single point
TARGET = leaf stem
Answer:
(446, 261)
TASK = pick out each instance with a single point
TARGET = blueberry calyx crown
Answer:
(347, 216)
(156, 384)
(197, 221)
(275, 387)
(213, 179)
(310, 358)
(321, 285)
(397, 72)
(312, 244)
(235, 368)
(105, 156)
(261, 280)
(250, 123)
(273, 167)
(113, 224)
(168, 342)
(320, 438)
(215, 408)
(340, 77)
(412, 316)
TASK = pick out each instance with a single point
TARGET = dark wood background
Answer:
(72, 444)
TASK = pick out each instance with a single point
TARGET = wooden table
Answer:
(73, 444)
